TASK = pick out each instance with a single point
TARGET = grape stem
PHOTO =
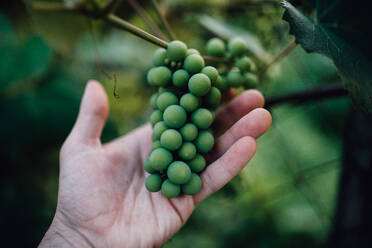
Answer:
(163, 20)
(216, 59)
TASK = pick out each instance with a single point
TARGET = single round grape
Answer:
(192, 51)
(193, 186)
(215, 47)
(211, 72)
(160, 158)
(235, 78)
(189, 102)
(189, 132)
(169, 189)
(166, 99)
(149, 76)
(156, 116)
(213, 98)
(155, 145)
(178, 172)
(176, 50)
(193, 63)
(153, 183)
(250, 80)
(159, 56)
(205, 141)
(187, 151)
(199, 84)
(174, 116)
(198, 163)
(160, 76)
(180, 78)
(153, 99)
(237, 46)
(159, 128)
(244, 64)
(222, 84)
(202, 118)
(147, 166)
(171, 139)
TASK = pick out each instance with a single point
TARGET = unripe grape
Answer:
(211, 72)
(156, 116)
(169, 189)
(178, 172)
(147, 166)
(180, 78)
(160, 159)
(153, 99)
(189, 132)
(198, 163)
(171, 139)
(159, 128)
(149, 76)
(189, 102)
(199, 84)
(213, 98)
(251, 80)
(205, 141)
(193, 186)
(155, 145)
(166, 99)
(192, 51)
(244, 64)
(193, 63)
(174, 116)
(176, 50)
(159, 56)
(237, 46)
(175, 90)
(153, 183)
(160, 76)
(222, 84)
(215, 47)
(153, 137)
(235, 78)
(187, 151)
(202, 118)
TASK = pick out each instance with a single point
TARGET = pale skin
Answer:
(102, 199)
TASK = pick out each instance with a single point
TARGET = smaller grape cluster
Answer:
(239, 71)
(183, 112)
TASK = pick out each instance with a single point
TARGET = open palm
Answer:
(102, 200)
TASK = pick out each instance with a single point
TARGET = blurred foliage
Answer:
(284, 198)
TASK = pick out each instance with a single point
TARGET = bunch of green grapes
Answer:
(239, 73)
(183, 111)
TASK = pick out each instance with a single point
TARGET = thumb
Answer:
(93, 113)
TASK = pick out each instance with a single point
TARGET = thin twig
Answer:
(163, 20)
(216, 59)
(145, 17)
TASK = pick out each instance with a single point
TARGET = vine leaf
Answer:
(338, 41)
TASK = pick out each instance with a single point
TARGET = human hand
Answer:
(102, 199)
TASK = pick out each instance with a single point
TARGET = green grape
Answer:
(169, 189)
(205, 141)
(178, 172)
(175, 90)
(213, 98)
(159, 128)
(202, 118)
(244, 64)
(180, 78)
(173, 64)
(237, 46)
(171, 139)
(193, 186)
(153, 183)
(189, 132)
(199, 84)
(156, 116)
(159, 56)
(160, 158)
(193, 63)
(189, 102)
(192, 51)
(198, 163)
(176, 50)
(155, 145)
(160, 76)
(162, 90)
(147, 166)
(211, 72)
(251, 80)
(215, 47)
(235, 78)
(153, 137)
(149, 76)
(153, 99)
(166, 99)
(221, 84)
(187, 151)
(174, 116)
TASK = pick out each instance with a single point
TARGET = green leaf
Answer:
(335, 37)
